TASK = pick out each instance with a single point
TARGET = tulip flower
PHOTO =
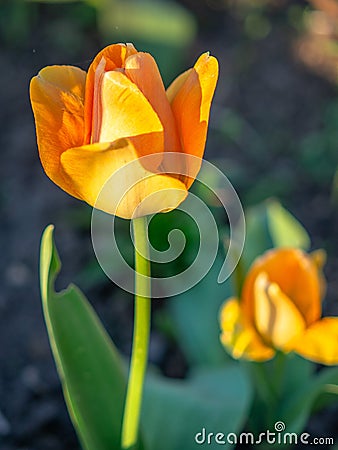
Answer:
(91, 125)
(280, 309)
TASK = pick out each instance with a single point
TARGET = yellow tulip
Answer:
(280, 309)
(90, 125)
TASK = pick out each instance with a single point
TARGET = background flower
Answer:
(280, 309)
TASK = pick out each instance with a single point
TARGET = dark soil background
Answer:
(274, 131)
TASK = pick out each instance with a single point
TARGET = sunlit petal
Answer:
(57, 95)
(119, 111)
(176, 85)
(110, 58)
(320, 342)
(191, 96)
(126, 113)
(132, 192)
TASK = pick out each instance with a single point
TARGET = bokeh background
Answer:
(273, 131)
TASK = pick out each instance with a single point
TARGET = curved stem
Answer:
(139, 355)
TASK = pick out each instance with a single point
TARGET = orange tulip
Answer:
(280, 309)
(90, 125)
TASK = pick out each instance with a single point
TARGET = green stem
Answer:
(139, 355)
(239, 275)
(279, 369)
(263, 382)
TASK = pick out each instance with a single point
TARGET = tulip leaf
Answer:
(269, 225)
(296, 391)
(210, 401)
(275, 381)
(164, 29)
(166, 23)
(195, 317)
(285, 230)
(296, 408)
(90, 368)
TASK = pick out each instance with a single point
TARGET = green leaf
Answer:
(295, 372)
(165, 22)
(165, 29)
(195, 317)
(90, 368)
(285, 230)
(174, 411)
(269, 225)
(258, 238)
(276, 382)
(296, 408)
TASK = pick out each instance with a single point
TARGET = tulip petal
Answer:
(296, 275)
(277, 319)
(319, 259)
(191, 107)
(126, 113)
(57, 95)
(110, 58)
(176, 85)
(142, 70)
(110, 177)
(239, 337)
(67, 78)
(319, 343)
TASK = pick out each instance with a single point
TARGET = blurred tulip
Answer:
(280, 309)
(90, 125)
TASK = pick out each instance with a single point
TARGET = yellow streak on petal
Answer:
(277, 318)
(114, 57)
(126, 113)
(97, 107)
